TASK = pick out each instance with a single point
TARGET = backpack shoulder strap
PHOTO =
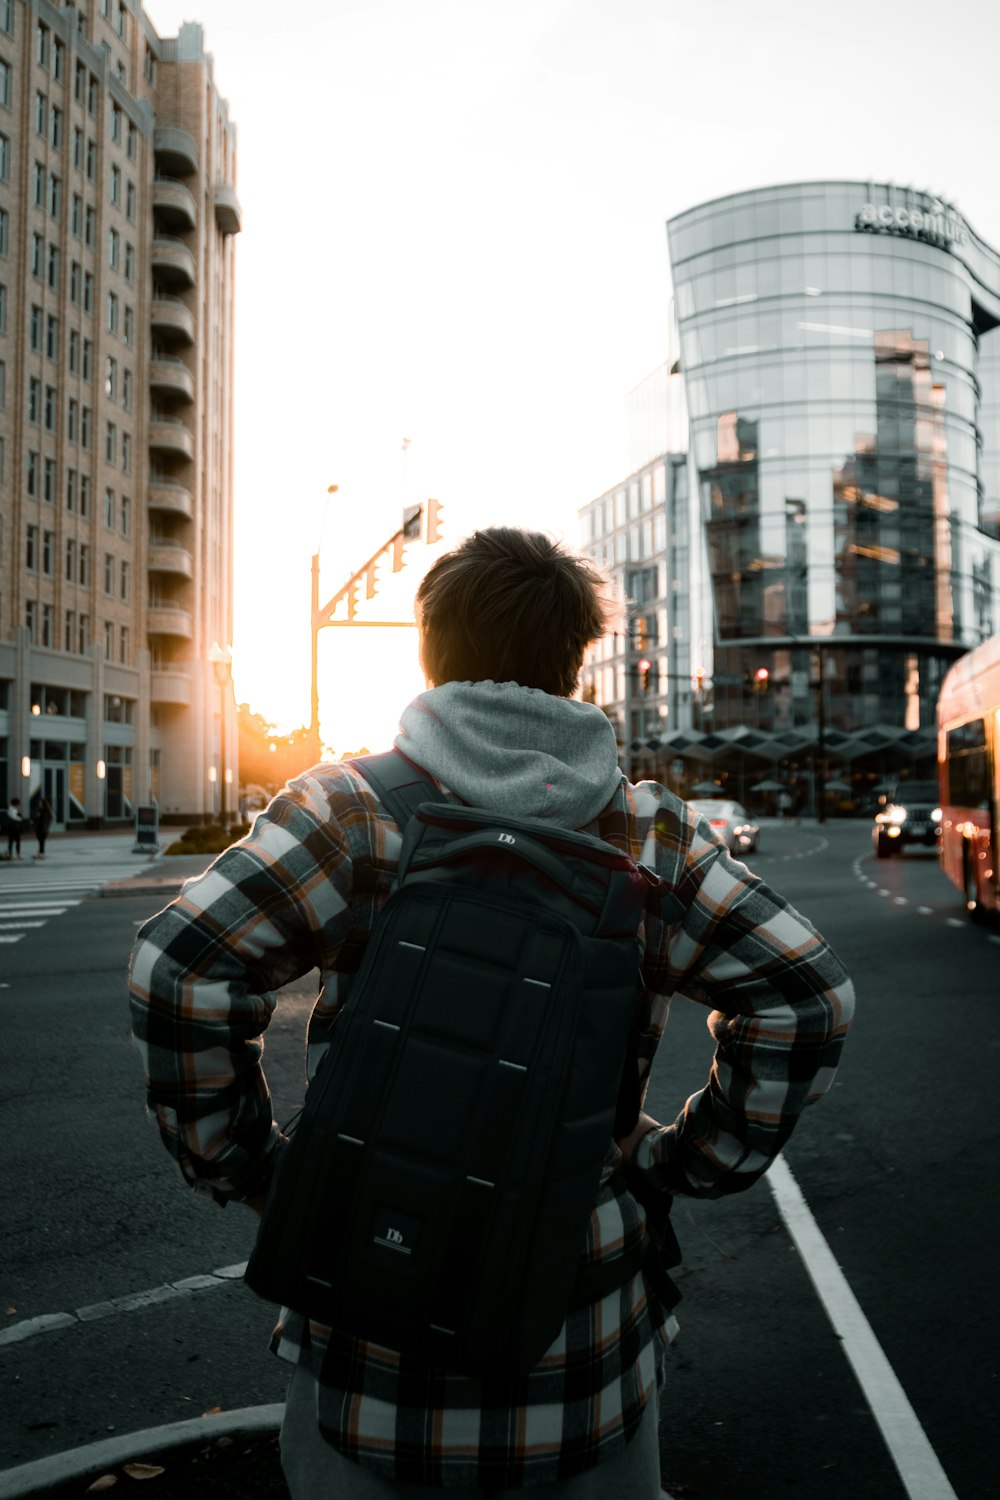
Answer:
(399, 785)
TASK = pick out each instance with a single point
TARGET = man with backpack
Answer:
(443, 981)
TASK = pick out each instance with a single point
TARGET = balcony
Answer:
(167, 435)
(171, 319)
(171, 558)
(169, 376)
(168, 619)
(176, 152)
(228, 214)
(170, 687)
(174, 205)
(169, 497)
(173, 263)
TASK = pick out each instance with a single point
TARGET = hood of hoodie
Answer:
(514, 749)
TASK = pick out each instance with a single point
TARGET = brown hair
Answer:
(511, 606)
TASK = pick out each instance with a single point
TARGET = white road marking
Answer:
(901, 900)
(53, 905)
(47, 1322)
(15, 939)
(954, 922)
(926, 911)
(915, 1459)
(19, 923)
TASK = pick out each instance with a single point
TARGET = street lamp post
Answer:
(221, 658)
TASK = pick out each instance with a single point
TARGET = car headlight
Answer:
(936, 815)
(896, 814)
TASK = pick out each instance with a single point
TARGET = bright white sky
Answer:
(453, 231)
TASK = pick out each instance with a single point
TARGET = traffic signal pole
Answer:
(321, 616)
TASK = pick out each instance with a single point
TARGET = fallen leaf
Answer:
(104, 1483)
(224, 1442)
(10, 1311)
(143, 1471)
(212, 1411)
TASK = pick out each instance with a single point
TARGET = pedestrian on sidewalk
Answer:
(40, 809)
(15, 823)
(504, 622)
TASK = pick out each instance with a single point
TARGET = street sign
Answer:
(147, 820)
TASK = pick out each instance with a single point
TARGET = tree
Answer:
(268, 758)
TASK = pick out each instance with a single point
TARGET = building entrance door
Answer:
(55, 791)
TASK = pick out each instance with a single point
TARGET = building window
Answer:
(123, 644)
(78, 148)
(84, 634)
(88, 292)
(111, 378)
(127, 389)
(32, 475)
(53, 267)
(31, 549)
(4, 158)
(70, 560)
(3, 307)
(90, 227)
(71, 489)
(73, 421)
(130, 202)
(92, 95)
(76, 215)
(129, 263)
(109, 641)
(130, 146)
(41, 115)
(48, 550)
(112, 313)
(116, 187)
(109, 508)
(52, 337)
(47, 636)
(5, 76)
(69, 634)
(116, 122)
(3, 389)
(34, 399)
(111, 443)
(126, 453)
(91, 160)
(50, 410)
(42, 45)
(114, 249)
(37, 255)
(30, 618)
(126, 581)
(80, 83)
(35, 328)
(109, 574)
(4, 231)
(49, 480)
(58, 54)
(85, 496)
(129, 328)
(55, 198)
(85, 427)
(38, 185)
(74, 346)
(75, 281)
(125, 512)
(7, 21)
(56, 127)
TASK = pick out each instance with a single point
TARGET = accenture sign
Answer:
(937, 225)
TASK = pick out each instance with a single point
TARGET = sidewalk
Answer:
(106, 861)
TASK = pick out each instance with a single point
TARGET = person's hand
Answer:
(628, 1144)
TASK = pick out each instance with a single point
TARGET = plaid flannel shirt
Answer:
(301, 892)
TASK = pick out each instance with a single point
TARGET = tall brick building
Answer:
(118, 216)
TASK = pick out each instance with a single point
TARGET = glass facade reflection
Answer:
(843, 388)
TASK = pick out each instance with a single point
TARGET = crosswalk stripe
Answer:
(52, 907)
(22, 925)
(11, 937)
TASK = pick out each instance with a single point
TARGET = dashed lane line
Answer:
(911, 1452)
(133, 1302)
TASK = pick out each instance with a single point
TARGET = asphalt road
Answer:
(898, 1165)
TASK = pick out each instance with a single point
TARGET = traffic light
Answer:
(761, 680)
(644, 667)
(434, 510)
(640, 635)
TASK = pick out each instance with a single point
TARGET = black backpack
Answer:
(436, 1194)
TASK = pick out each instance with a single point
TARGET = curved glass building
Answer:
(843, 389)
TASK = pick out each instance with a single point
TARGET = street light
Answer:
(221, 658)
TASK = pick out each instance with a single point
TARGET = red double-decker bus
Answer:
(968, 717)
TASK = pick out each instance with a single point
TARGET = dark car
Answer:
(912, 815)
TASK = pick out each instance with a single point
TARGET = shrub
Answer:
(208, 839)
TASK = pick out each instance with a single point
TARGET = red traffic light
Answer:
(644, 665)
(761, 674)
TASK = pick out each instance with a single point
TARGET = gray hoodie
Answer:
(514, 750)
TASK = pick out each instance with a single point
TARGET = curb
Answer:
(44, 1474)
